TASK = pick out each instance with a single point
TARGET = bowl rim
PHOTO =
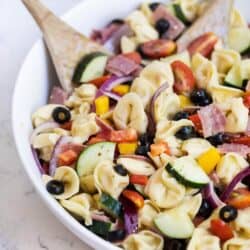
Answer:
(60, 213)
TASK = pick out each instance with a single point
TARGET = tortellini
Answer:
(205, 72)
(163, 190)
(137, 167)
(144, 240)
(43, 114)
(80, 205)
(147, 12)
(166, 105)
(87, 184)
(147, 214)
(203, 240)
(237, 20)
(140, 25)
(69, 178)
(162, 160)
(237, 244)
(108, 180)
(229, 166)
(189, 7)
(236, 115)
(224, 59)
(129, 113)
(128, 44)
(242, 223)
(196, 146)
(84, 126)
(85, 93)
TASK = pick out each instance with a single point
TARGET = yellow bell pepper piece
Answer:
(127, 148)
(184, 101)
(209, 160)
(121, 89)
(102, 105)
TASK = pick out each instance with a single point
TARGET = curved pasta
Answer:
(196, 146)
(128, 44)
(82, 109)
(237, 20)
(161, 160)
(108, 180)
(87, 184)
(43, 114)
(80, 205)
(229, 166)
(189, 7)
(137, 167)
(166, 105)
(146, 240)
(203, 240)
(129, 113)
(147, 12)
(163, 190)
(236, 115)
(84, 126)
(147, 214)
(242, 224)
(45, 140)
(237, 244)
(245, 69)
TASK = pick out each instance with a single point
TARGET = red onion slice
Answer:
(210, 195)
(100, 217)
(45, 127)
(37, 161)
(237, 179)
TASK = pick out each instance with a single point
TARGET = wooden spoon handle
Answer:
(38, 11)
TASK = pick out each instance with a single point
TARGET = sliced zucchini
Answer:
(183, 57)
(174, 224)
(180, 14)
(187, 171)
(234, 77)
(94, 154)
(110, 205)
(100, 228)
(90, 67)
(239, 39)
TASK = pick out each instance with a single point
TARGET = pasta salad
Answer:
(151, 149)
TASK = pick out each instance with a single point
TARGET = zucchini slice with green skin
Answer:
(174, 224)
(100, 228)
(239, 39)
(94, 154)
(110, 205)
(90, 67)
(234, 78)
(179, 14)
(187, 171)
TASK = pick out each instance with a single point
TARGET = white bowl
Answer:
(35, 79)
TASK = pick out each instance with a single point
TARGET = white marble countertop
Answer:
(25, 222)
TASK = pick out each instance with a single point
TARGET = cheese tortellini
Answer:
(84, 126)
(229, 166)
(80, 205)
(189, 7)
(163, 190)
(129, 113)
(242, 223)
(108, 180)
(237, 244)
(146, 240)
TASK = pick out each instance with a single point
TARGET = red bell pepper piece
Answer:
(221, 229)
(134, 197)
(240, 199)
(139, 179)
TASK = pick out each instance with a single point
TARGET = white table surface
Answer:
(25, 222)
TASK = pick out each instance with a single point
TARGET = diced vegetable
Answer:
(98, 82)
(247, 100)
(174, 224)
(157, 49)
(184, 78)
(138, 179)
(134, 197)
(240, 199)
(121, 89)
(221, 229)
(90, 67)
(67, 158)
(159, 148)
(209, 160)
(243, 139)
(196, 121)
(110, 205)
(185, 101)
(204, 44)
(67, 125)
(94, 154)
(127, 148)
(100, 228)
(102, 105)
(127, 135)
(239, 39)
(188, 172)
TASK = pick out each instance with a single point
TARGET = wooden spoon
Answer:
(66, 45)
(216, 19)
